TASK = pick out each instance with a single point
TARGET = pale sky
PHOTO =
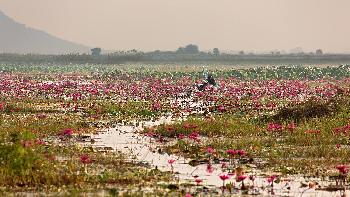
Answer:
(250, 25)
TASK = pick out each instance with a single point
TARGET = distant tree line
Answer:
(188, 53)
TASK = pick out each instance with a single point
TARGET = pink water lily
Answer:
(171, 161)
(224, 165)
(271, 178)
(85, 159)
(221, 108)
(241, 178)
(181, 136)
(210, 150)
(198, 181)
(241, 153)
(194, 136)
(67, 132)
(224, 177)
(231, 152)
(274, 127)
(153, 95)
(291, 126)
(186, 126)
(343, 169)
(210, 168)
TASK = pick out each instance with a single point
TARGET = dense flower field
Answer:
(270, 124)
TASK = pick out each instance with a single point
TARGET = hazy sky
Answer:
(258, 25)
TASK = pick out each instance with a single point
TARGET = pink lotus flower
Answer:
(221, 108)
(224, 165)
(186, 126)
(198, 181)
(181, 136)
(274, 127)
(346, 128)
(210, 168)
(210, 150)
(156, 106)
(154, 90)
(291, 126)
(343, 169)
(150, 134)
(271, 178)
(224, 177)
(26, 143)
(39, 142)
(241, 178)
(231, 152)
(338, 130)
(67, 132)
(193, 126)
(171, 161)
(241, 152)
(342, 130)
(194, 136)
(85, 159)
(160, 139)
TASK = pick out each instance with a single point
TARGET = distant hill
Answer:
(17, 38)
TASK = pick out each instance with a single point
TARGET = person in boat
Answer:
(208, 80)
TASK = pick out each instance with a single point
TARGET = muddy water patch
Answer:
(145, 150)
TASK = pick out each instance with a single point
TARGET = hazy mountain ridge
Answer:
(17, 38)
